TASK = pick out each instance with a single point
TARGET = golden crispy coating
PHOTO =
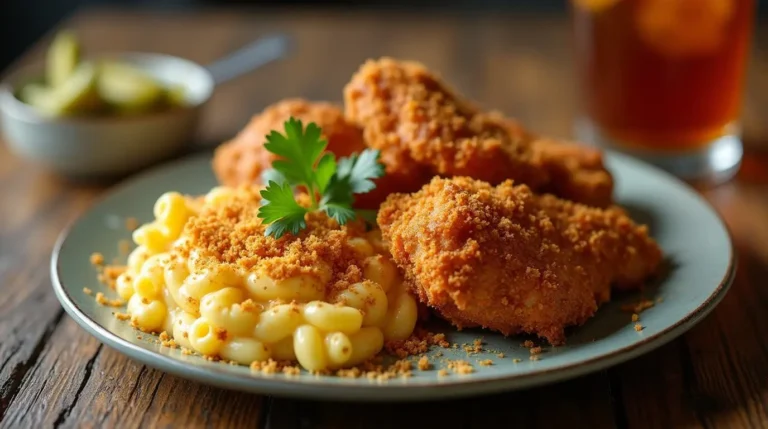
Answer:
(576, 172)
(506, 259)
(413, 117)
(242, 159)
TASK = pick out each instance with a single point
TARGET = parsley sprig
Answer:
(330, 184)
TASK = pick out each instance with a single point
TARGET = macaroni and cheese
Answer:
(205, 273)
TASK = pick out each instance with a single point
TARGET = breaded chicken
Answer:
(411, 115)
(243, 159)
(506, 259)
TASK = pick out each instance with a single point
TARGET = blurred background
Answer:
(22, 22)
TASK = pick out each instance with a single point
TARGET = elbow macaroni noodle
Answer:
(246, 316)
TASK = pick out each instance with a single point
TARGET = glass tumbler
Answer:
(662, 80)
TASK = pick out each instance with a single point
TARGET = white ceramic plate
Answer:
(696, 243)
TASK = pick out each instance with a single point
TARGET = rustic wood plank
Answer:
(127, 394)
(583, 402)
(78, 382)
(730, 356)
(34, 210)
(655, 389)
(289, 414)
(55, 382)
(586, 400)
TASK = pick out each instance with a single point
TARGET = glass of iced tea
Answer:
(662, 80)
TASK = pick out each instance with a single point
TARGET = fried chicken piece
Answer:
(242, 159)
(512, 261)
(411, 115)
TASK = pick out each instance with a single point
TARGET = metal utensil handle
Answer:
(248, 58)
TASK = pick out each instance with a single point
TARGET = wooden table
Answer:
(52, 373)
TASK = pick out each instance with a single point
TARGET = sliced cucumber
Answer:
(128, 89)
(63, 58)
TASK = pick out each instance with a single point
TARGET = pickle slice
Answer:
(76, 95)
(128, 89)
(176, 96)
(35, 94)
(63, 58)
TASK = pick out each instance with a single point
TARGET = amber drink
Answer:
(663, 80)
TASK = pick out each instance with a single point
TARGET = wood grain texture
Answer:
(53, 374)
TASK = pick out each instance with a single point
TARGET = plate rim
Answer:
(382, 392)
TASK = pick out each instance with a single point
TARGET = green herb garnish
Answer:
(331, 185)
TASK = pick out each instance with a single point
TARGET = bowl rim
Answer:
(13, 107)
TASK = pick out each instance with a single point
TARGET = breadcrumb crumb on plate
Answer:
(424, 364)
(638, 307)
(97, 258)
(688, 230)
(131, 223)
(122, 316)
(102, 299)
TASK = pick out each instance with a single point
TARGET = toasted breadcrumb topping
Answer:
(231, 235)
(87, 291)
